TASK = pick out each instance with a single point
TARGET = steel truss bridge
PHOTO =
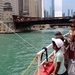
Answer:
(27, 22)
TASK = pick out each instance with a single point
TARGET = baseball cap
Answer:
(59, 43)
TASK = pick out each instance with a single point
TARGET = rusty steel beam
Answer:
(29, 21)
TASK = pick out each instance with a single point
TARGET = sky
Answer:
(47, 4)
(66, 4)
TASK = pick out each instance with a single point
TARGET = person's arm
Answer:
(59, 60)
(67, 48)
(51, 59)
(57, 67)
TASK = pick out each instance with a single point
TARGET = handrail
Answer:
(44, 49)
(39, 55)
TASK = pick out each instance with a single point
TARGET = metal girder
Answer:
(29, 21)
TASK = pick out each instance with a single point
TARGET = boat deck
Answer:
(71, 68)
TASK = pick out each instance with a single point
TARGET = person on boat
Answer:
(65, 51)
(72, 43)
(72, 40)
(59, 67)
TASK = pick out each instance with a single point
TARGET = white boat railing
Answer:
(39, 56)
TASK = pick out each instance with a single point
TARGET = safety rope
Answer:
(24, 72)
(35, 71)
(20, 36)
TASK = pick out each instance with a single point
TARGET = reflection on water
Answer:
(16, 53)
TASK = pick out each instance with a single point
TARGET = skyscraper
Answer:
(14, 4)
(68, 7)
(25, 7)
(40, 8)
(1, 9)
(33, 8)
(58, 8)
(52, 8)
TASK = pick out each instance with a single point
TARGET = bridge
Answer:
(22, 21)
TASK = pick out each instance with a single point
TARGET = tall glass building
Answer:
(58, 8)
(48, 8)
(52, 8)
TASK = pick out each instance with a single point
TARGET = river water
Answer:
(18, 50)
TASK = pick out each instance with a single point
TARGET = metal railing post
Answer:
(39, 64)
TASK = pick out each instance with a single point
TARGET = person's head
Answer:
(73, 27)
(73, 22)
(58, 34)
(57, 43)
(72, 18)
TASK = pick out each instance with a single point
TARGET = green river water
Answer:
(18, 50)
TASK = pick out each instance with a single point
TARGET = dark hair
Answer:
(62, 38)
(72, 25)
(55, 45)
(57, 33)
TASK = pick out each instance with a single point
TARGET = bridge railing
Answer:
(18, 18)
